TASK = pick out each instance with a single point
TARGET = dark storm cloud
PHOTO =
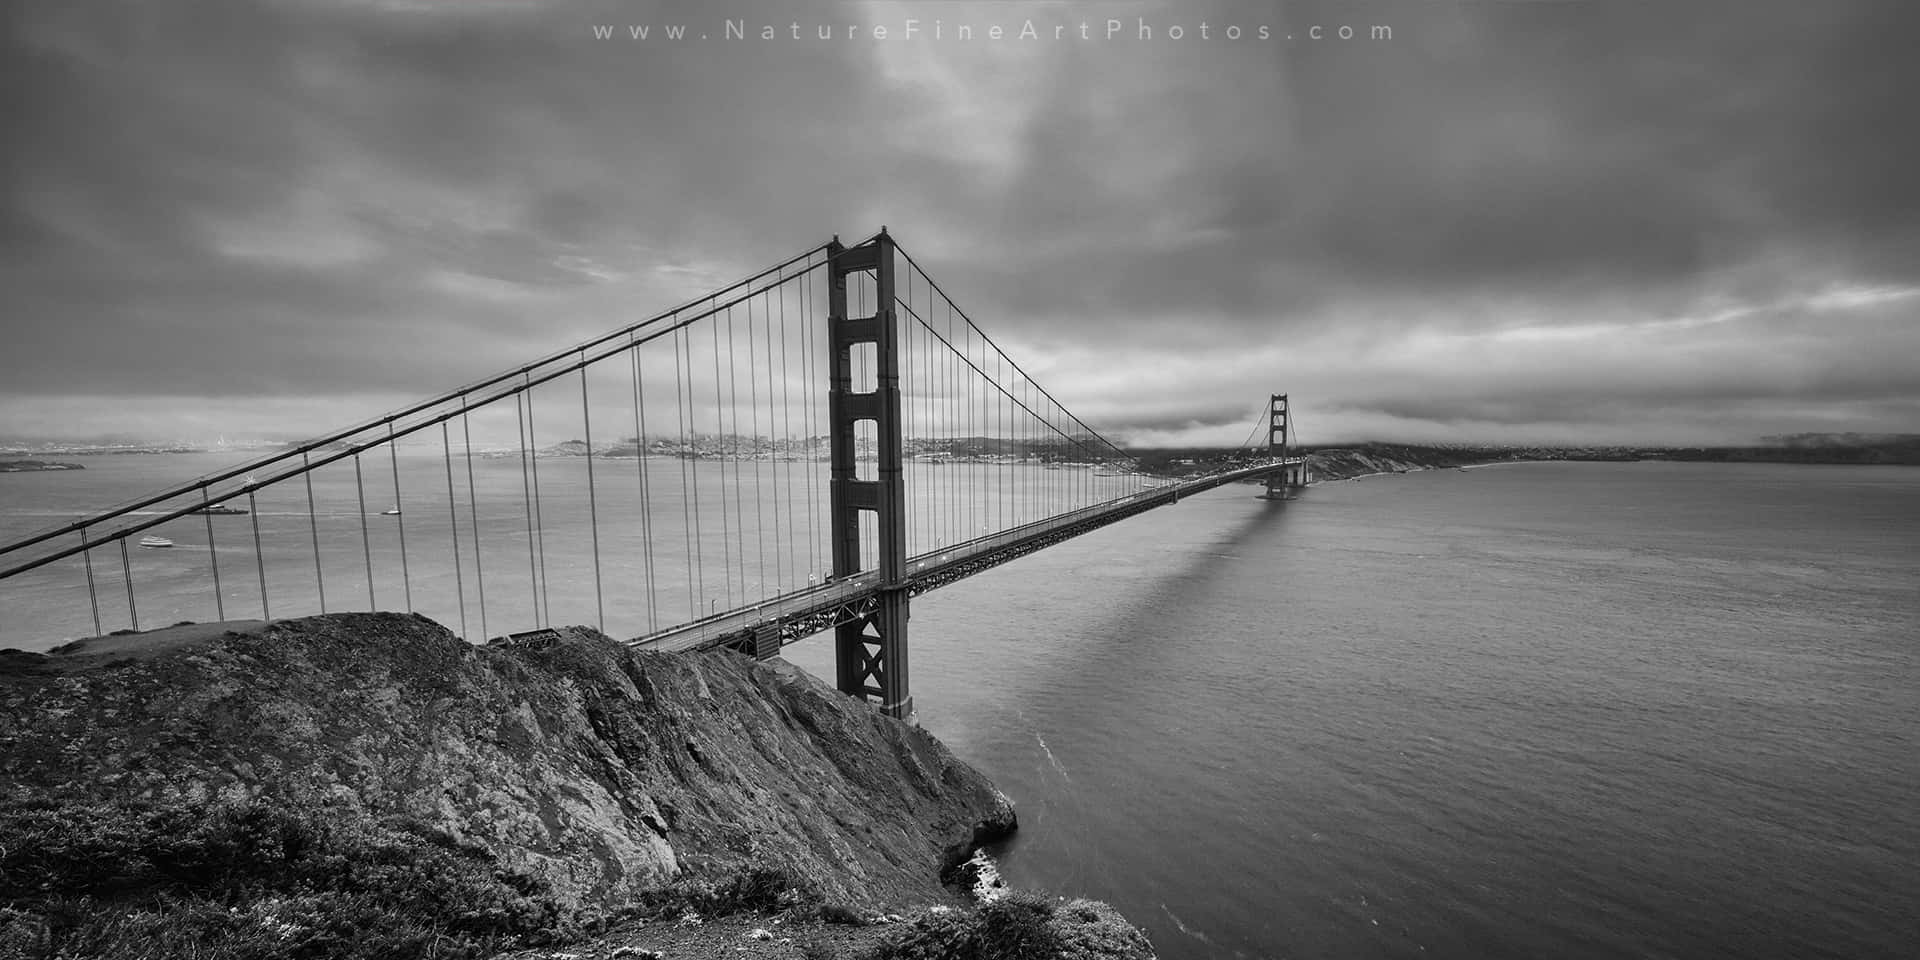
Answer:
(1585, 148)
(157, 152)
(307, 198)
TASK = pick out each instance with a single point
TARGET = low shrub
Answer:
(225, 881)
(817, 948)
(759, 890)
(1090, 930)
(1021, 925)
(839, 913)
(1014, 927)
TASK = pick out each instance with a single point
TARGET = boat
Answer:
(221, 509)
(390, 512)
(153, 541)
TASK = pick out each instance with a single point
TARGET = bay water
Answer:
(1531, 710)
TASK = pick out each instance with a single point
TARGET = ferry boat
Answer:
(155, 541)
(390, 512)
(221, 509)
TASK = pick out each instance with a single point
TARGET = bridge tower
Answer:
(1285, 483)
(870, 653)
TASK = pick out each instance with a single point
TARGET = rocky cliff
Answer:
(600, 771)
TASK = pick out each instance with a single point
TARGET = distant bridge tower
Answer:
(870, 653)
(1284, 483)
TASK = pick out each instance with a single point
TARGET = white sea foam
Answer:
(987, 885)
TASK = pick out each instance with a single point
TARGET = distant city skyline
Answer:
(1595, 223)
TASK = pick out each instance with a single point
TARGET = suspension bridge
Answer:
(801, 451)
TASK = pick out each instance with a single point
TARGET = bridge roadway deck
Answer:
(803, 613)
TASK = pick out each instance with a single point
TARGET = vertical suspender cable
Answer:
(753, 419)
(126, 571)
(93, 593)
(593, 504)
(259, 555)
(366, 535)
(693, 464)
(786, 422)
(213, 555)
(772, 431)
(908, 460)
(400, 515)
(539, 520)
(526, 500)
(453, 530)
(473, 512)
(720, 429)
(807, 420)
(313, 524)
(646, 493)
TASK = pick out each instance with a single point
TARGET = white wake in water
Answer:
(1042, 741)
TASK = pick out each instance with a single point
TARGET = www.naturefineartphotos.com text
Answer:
(1140, 30)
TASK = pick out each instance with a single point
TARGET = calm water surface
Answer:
(1555, 710)
(1552, 710)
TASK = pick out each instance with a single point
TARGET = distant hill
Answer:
(32, 466)
(1886, 448)
(1332, 462)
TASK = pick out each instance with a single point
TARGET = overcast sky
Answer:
(1511, 221)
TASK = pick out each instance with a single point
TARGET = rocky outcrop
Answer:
(575, 760)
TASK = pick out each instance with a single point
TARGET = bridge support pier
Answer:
(1284, 483)
(870, 654)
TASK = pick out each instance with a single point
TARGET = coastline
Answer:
(1508, 463)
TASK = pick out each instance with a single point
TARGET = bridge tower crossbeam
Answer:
(1284, 483)
(870, 653)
